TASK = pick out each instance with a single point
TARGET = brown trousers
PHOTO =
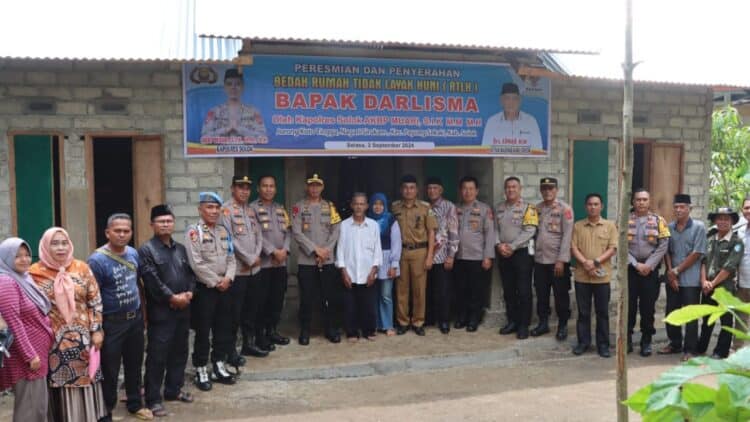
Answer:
(413, 280)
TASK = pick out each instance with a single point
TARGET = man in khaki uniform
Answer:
(418, 224)
(315, 226)
(211, 256)
(239, 219)
(552, 258)
(476, 250)
(593, 245)
(275, 228)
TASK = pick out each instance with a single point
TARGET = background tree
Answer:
(730, 159)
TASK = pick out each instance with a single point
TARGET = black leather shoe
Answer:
(264, 344)
(236, 360)
(562, 332)
(419, 331)
(333, 337)
(522, 333)
(459, 324)
(580, 349)
(304, 337)
(277, 338)
(202, 380)
(221, 375)
(250, 349)
(646, 349)
(510, 328)
(401, 330)
(471, 328)
(541, 329)
(603, 351)
(445, 328)
(717, 356)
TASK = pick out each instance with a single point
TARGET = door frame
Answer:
(89, 139)
(11, 135)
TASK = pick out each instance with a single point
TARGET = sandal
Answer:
(158, 410)
(390, 332)
(144, 414)
(183, 396)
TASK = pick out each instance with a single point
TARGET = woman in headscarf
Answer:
(76, 319)
(24, 308)
(390, 242)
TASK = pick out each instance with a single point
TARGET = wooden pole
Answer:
(624, 211)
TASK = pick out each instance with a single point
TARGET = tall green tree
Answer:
(730, 159)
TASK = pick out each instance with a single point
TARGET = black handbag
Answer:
(6, 339)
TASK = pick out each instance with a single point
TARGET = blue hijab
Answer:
(385, 218)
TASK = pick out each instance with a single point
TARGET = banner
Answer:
(305, 106)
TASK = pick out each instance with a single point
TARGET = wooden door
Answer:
(666, 177)
(148, 184)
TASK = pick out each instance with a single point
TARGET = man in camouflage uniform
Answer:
(476, 250)
(315, 226)
(209, 250)
(516, 223)
(417, 223)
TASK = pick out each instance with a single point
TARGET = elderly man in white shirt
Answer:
(512, 130)
(359, 255)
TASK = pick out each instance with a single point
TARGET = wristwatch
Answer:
(597, 263)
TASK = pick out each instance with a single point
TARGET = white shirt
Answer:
(520, 136)
(744, 279)
(358, 248)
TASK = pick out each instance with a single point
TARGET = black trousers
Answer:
(544, 281)
(471, 282)
(725, 337)
(515, 273)
(123, 343)
(359, 302)
(212, 319)
(676, 300)
(167, 354)
(440, 279)
(275, 280)
(643, 293)
(325, 281)
(250, 295)
(600, 293)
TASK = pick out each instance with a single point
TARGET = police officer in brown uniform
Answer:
(275, 228)
(516, 223)
(648, 241)
(315, 226)
(552, 258)
(239, 219)
(476, 250)
(418, 224)
(211, 256)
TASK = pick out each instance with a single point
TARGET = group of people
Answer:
(75, 323)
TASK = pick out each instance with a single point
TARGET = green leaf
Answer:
(690, 313)
(637, 401)
(740, 358)
(715, 316)
(726, 299)
(667, 414)
(699, 398)
(737, 333)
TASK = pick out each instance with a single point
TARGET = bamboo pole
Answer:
(624, 211)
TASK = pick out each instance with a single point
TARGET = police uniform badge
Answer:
(193, 234)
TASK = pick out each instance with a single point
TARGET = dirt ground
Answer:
(458, 377)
